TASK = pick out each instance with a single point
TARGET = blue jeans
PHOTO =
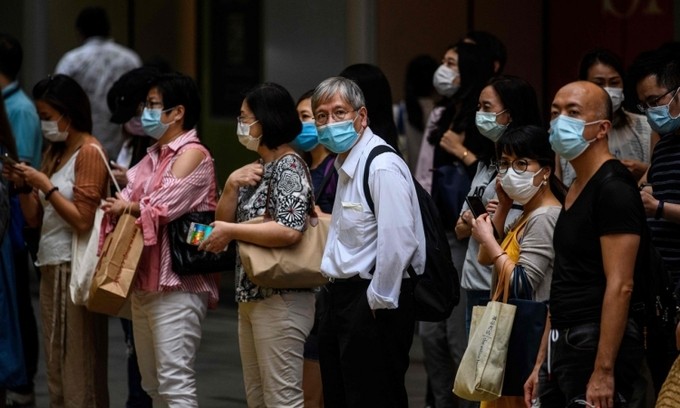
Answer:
(572, 357)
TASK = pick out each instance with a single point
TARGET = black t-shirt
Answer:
(610, 203)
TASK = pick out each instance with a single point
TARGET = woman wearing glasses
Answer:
(175, 177)
(273, 323)
(525, 175)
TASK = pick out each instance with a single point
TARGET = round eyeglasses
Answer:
(519, 166)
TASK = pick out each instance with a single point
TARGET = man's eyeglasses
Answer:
(338, 115)
(653, 103)
(518, 165)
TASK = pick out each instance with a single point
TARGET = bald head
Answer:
(584, 100)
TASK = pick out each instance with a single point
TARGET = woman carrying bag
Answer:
(525, 175)
(62, 199)
(175, 177)
(273, 323)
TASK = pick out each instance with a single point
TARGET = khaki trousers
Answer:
(76, 344)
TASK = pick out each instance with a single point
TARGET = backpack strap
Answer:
(376, 151)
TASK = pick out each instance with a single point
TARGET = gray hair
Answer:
(346, 88)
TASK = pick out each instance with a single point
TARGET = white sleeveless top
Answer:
(56, 234)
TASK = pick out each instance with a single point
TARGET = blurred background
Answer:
(230, 45)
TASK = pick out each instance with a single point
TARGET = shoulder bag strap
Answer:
(106, 163)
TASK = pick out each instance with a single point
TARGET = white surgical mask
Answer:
(443, 81)
(520, 187)
(243, 133)
(50, 129)
(616, 95)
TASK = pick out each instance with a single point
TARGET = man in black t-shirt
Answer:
(595, 350)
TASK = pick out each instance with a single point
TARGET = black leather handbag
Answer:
(186, 258)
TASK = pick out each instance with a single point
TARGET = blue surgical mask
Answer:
(151, 122)
(308, 138)
(566, 136)
(338, 137)
(661, 120)
(487, 125)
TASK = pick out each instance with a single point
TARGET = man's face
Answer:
(336, 109)
(572, 101)
(579, 100)
(652, 94)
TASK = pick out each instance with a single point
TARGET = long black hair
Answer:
(274, 108)
(518, 98)
(532, 142)
(475, 68)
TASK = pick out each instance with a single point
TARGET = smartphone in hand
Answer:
(198, 233)
(7, 160)
(476, 205)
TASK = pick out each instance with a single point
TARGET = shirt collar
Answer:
(351, 163)
(97, 39)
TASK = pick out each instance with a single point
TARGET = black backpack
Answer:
(437, 290)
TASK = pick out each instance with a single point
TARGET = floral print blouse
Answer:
(287, 183)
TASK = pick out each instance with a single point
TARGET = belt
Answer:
(354, 279)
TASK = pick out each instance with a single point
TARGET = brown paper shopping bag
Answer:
(116, 268)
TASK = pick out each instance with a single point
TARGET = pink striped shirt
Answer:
(162, 198)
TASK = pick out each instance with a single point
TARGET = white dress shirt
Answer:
(96, 65)
(389, 240)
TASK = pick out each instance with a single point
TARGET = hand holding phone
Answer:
(198, 233)
(7, 160)
(476, 205)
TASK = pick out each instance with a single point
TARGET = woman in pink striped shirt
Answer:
(175, 177)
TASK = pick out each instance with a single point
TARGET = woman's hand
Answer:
(34, 177)
(464, 224)
(219, 238)
(13, 175)
(248, 175)
(482, 229)
(452, 142)
(119, 173)
(491, 206)
(115, 206)
(503, 197)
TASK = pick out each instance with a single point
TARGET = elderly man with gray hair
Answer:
(366, 312)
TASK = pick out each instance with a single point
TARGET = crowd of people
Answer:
(571, 210)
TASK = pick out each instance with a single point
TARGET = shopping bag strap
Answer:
(106, 163)
(503, 284)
